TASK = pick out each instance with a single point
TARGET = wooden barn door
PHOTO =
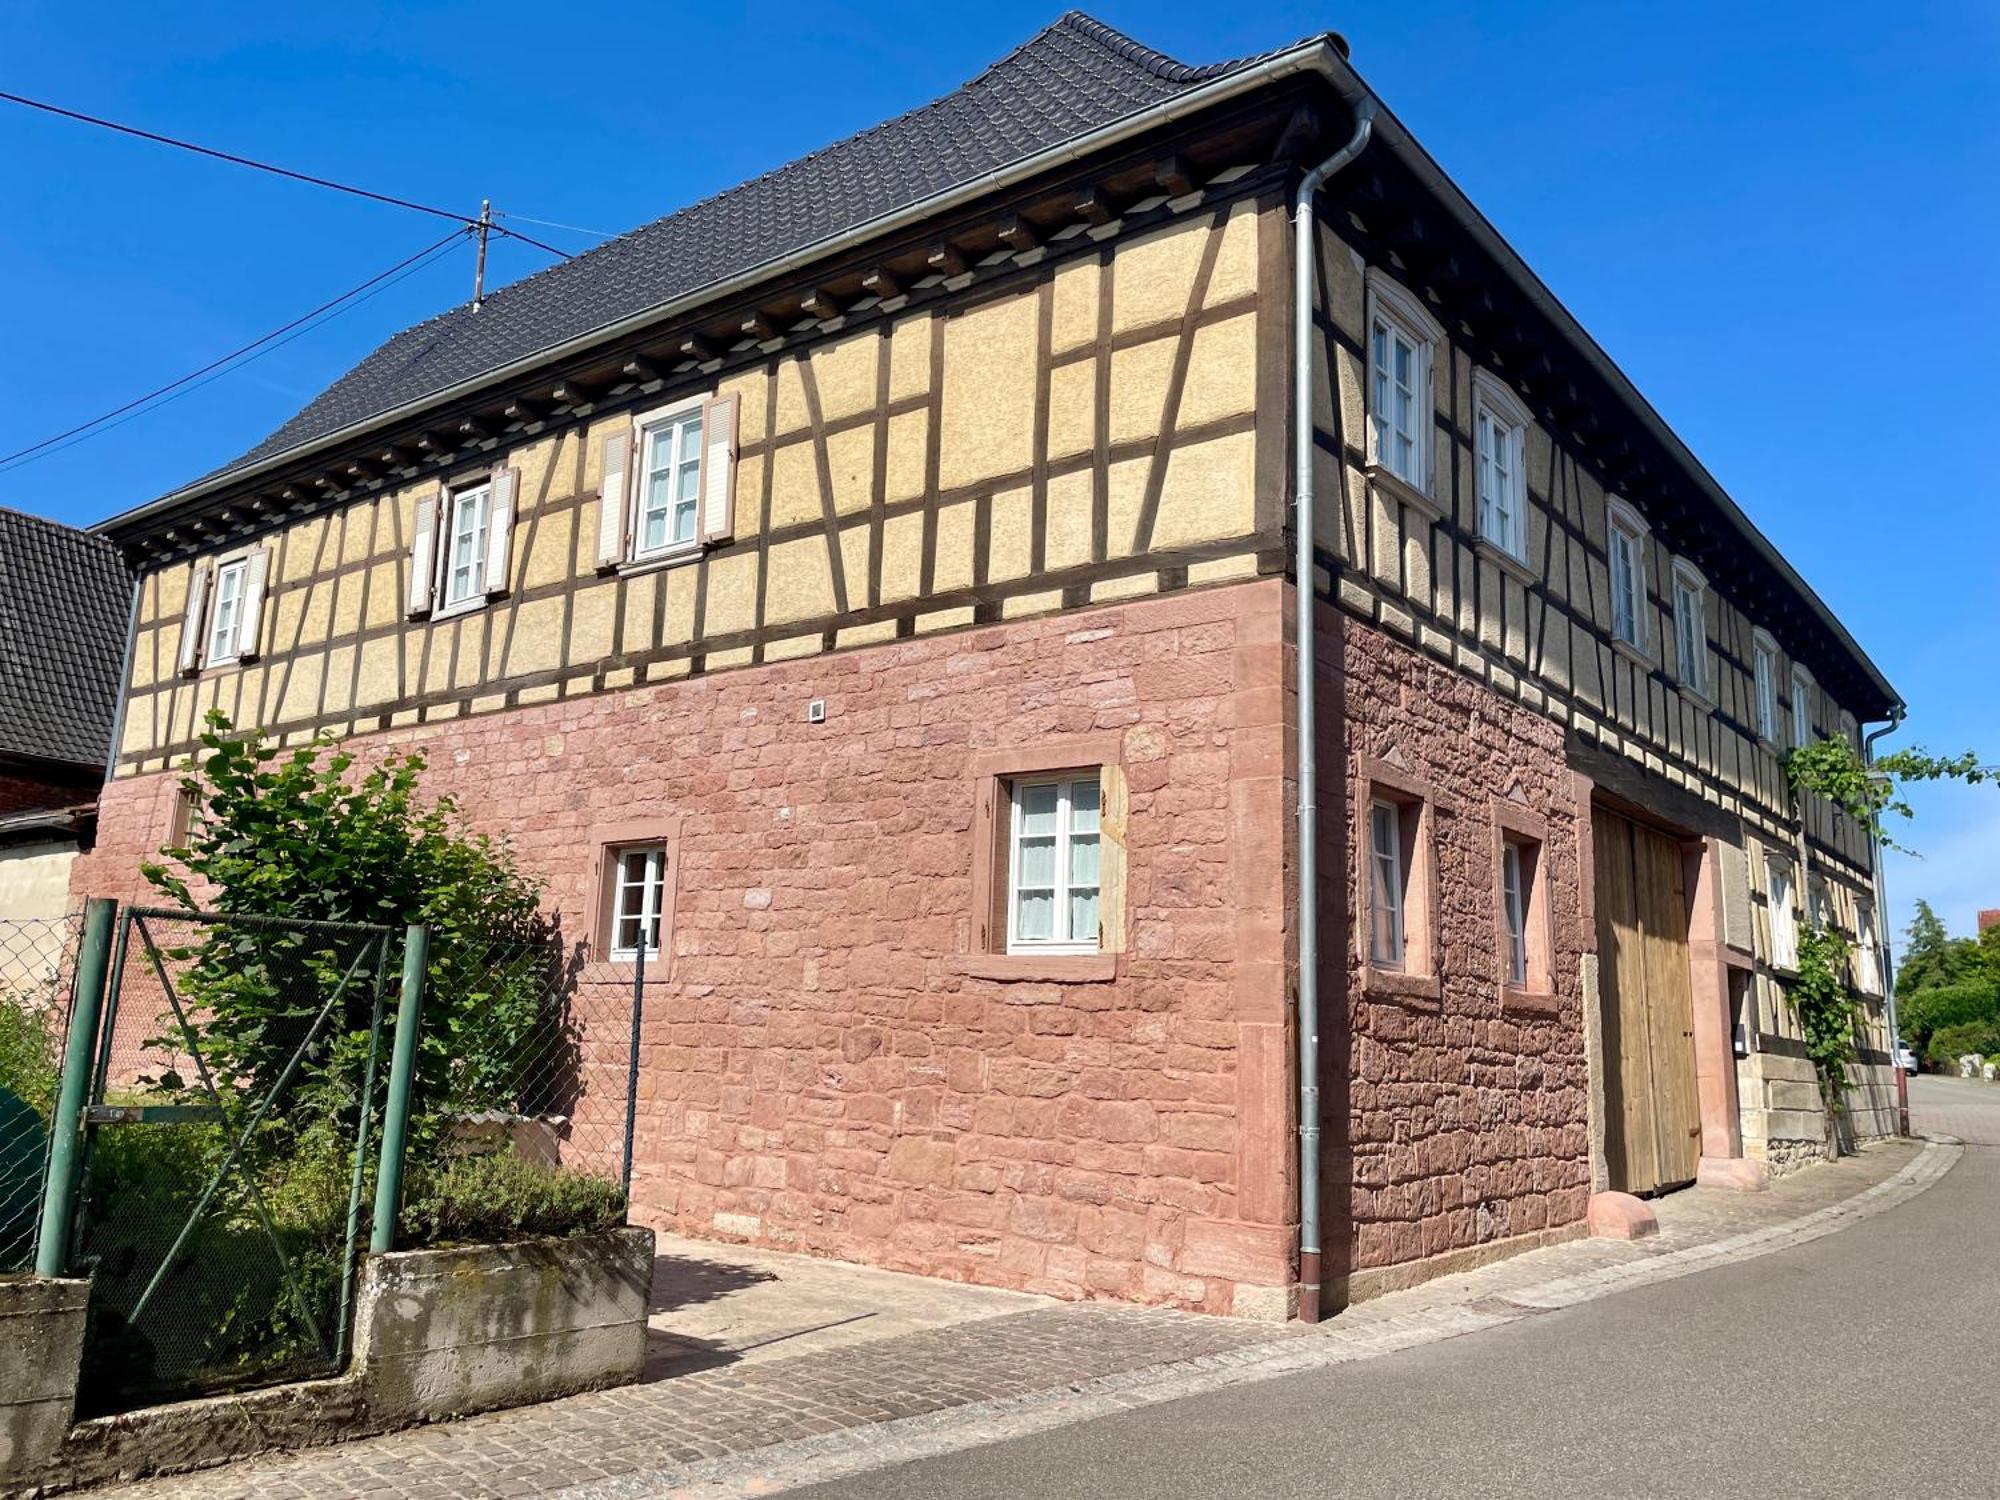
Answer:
(1653, 1113)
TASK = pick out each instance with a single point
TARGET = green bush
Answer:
(1949, 1043)
(502, 1196)
(28, 1049)
(1968, 1002)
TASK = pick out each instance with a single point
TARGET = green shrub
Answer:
(1949, 1043)
(1968, 1002)
(28, 1049)
(502, 1196)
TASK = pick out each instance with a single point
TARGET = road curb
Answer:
(1366, 1333)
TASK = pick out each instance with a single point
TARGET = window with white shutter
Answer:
(194, 619)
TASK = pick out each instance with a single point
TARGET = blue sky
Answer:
(1779, 218)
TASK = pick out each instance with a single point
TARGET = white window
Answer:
(1402, 340)
(1053, 865)
(1766, 672)
(1691, 626)
(1514, 900)
(1783, 897)
(1387, 937)
(638, 889)
(465, 544)
(1626, 540)
(1501, 436)
(1802, 730)
(1867, 949)
(669, 484)
(226, 617)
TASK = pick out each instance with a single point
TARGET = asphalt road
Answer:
(1865, 1363)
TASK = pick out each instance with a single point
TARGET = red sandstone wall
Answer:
(816, 1073)
(1462, 1121)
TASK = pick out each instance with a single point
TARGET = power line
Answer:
(255, 349)
(264, 166)
(601, 234)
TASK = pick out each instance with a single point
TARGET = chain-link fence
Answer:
(37, 970)
(526, 1082)
(231, 1116)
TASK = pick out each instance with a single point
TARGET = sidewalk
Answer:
(747, 1418)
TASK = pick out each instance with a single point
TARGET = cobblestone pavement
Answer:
(762, 1428)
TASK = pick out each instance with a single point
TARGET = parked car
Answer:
(1906, 1059)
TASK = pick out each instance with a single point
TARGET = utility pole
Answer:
(485, 227)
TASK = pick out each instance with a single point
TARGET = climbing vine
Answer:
(1826, 1010)
(1831, 768)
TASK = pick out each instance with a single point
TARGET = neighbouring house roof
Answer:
(65, 596)
(1071, 78)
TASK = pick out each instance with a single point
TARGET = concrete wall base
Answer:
(41, 1346)
(438, 1333)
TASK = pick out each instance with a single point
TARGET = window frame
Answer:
(1495, 405)
(237, 568)
(1689, 582)
(652, 888)
(1413, 975)
(1799, 720)
(1392, 305)
(1784, 955)
(989, 775)
(1626, 534)
(647, 428)
(1522, 835)
(611, 843)
(1397, 884)
(1867, 948)
(455, 499)
(1061, 890)
(1764, 684)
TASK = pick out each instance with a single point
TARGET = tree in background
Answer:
(1932, 957)
(1948, 990)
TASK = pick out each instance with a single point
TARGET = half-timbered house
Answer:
(871, 592)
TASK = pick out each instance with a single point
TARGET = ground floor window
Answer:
(639, 883)
(1054, 864)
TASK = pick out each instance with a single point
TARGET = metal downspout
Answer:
(1886, 962)
(1305, 256)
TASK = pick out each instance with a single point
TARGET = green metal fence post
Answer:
(402, 1077)
(79, 1053)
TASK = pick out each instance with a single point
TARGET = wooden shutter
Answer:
(500, 529)
(718, 469)
(250, 613)
(423, 556)
(195, 618)
(614, 498)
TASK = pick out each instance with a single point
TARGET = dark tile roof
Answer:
(64, 600)
(1073, 77)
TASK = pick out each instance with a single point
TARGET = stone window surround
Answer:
(606, 841)
(1513, 823)
(986, 955)
(1416, 981)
